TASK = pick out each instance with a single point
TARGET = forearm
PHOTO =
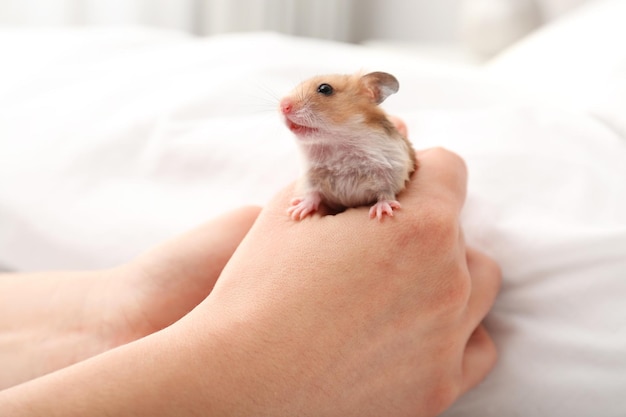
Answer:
(210, 363)
(23, 292)
(327, 316)
(42, 315)
(51, 320)
(141, 378)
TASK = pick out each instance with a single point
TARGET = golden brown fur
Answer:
(355, 155)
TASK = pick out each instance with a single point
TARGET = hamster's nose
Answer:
(286, 106)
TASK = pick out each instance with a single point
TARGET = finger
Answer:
(441, 176)
(400, 125)
(200, 254)
(479, 358)
(486, 279)
(280, 204)
(283, 198)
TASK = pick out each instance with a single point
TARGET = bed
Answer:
(112, 140)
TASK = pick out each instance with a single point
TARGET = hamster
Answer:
(354, 154)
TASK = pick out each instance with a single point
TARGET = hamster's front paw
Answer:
(303, 206)
(383, 207)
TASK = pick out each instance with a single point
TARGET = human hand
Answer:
(169, 280)
(330, 316)
(341, 316)
(54, 319)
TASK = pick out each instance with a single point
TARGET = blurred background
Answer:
(482, 27)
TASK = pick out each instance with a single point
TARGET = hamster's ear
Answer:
(380, 85)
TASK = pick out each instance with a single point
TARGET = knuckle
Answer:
(495, 272)
(440, 225)
(443, 393)
(448, 297)
(491, 272)
(491, 353)
(454, 292)
(487, 267)
(452, 158)
(433, 232)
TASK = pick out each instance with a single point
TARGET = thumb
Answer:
(195, 259)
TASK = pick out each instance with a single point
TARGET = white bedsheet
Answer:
(111, 141)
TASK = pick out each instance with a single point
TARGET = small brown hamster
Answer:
(354, 154)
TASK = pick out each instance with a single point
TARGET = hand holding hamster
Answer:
(354, 154)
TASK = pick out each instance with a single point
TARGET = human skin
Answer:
(331, 316)
(49, 320)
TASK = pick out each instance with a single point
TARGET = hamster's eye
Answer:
(325, 89)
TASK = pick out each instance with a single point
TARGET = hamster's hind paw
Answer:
(383, 207)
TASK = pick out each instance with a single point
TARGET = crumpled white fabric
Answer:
(111, 141)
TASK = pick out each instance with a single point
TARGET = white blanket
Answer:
(113, 140)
